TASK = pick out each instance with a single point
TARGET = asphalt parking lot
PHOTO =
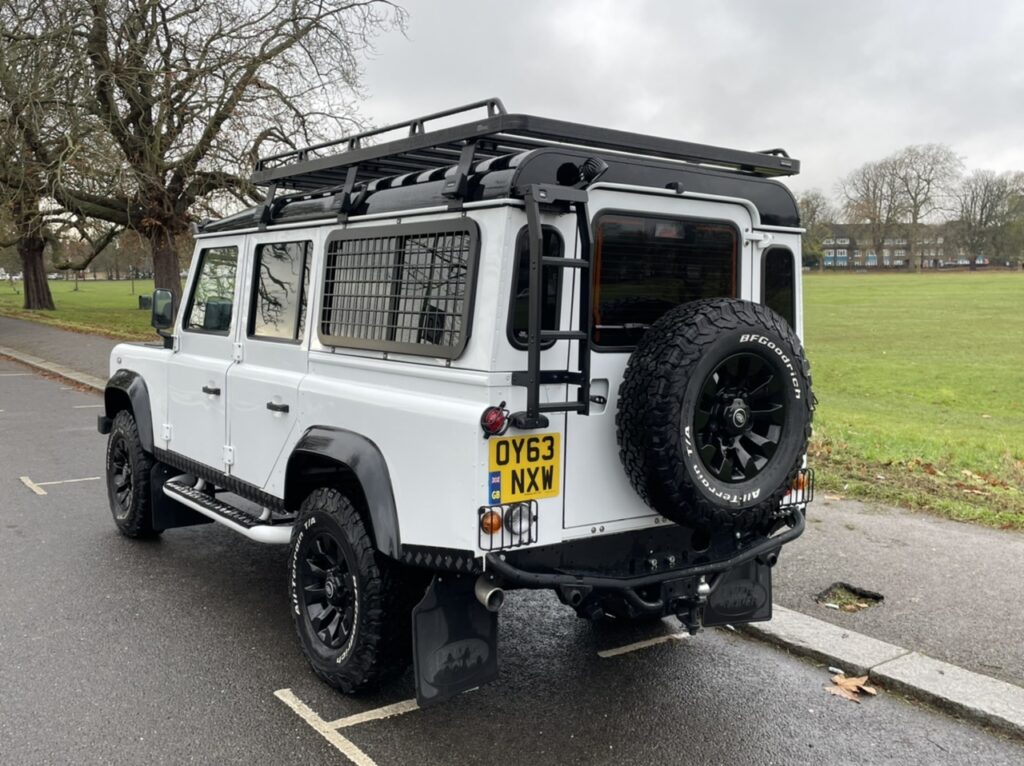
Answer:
(182, 651)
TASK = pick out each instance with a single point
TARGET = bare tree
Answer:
(816, 215)
(924, 175)
(41, 132)
(983, 205)
(24, 79)
(184, 94)
(1009, 242)
(872, 195)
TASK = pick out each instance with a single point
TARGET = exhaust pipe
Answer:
(488, 594)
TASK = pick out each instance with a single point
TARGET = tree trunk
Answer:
(37, 288)
(30, 249)
(166, 269)
(913, 264)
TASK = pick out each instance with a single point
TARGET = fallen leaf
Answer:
(846, 694)
(848, 687)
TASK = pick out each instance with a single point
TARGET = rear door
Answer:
(263, 406)
(651, 253)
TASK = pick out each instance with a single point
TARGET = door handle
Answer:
(211, 390)
(277, 407)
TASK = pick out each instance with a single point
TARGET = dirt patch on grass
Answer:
(847, 598)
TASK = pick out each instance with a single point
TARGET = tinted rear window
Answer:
(551, 283)
(645, 266)
(778, 270)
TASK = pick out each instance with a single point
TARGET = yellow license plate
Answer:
(523, 468)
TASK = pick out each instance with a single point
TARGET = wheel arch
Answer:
(354, 464)
(126, 390)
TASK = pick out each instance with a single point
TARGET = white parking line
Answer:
(32, 485)
(67, 481)
(407, 706)
(344, 745)
(605, 654)
(86, 406)
(14, 374)
(37, 486)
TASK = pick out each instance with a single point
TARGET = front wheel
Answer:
(128, 467)
(351, 606)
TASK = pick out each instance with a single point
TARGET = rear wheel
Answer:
(128, 466)
(351, 605)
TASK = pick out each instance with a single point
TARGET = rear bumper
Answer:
(668, 590)
(526, 579)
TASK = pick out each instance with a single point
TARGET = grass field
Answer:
(920, 381)
(101, 307)
(921, 386)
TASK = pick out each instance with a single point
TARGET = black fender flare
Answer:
(365, 460)
(132, 385)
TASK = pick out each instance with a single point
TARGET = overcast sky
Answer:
(835, 83)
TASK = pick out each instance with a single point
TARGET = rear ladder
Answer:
(562, 199)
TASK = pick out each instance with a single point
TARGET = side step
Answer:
(228, 515)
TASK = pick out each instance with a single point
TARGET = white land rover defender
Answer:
(510, 353)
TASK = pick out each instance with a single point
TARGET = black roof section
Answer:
(499, 156)
(497, 134)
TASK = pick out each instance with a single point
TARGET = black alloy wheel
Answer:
(328, 590)
(119, 476)
(127, 471)
(740, 417)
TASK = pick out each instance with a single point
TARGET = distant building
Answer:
(849, 246)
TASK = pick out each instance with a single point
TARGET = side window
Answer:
(778, 283)
(280, 288)
(405, 288)
(644, 266)
(209, 306)
(551, 282)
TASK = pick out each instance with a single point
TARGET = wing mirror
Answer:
(162, 317)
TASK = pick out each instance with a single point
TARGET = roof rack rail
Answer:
(498, 134)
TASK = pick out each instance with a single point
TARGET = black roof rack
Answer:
(349, 161)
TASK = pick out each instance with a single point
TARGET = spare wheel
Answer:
(715, 413)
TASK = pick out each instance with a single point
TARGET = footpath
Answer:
(950, 626)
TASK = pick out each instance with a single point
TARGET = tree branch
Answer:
(97, 248)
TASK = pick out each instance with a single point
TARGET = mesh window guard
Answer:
(405, 288)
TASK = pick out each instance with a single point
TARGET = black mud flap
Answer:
(167, 513)
(743, 595)
(455, 641)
